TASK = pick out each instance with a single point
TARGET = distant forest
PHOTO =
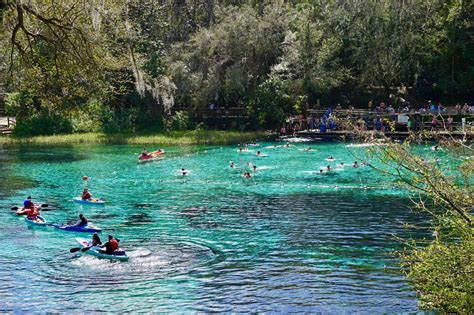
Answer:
(128, 65)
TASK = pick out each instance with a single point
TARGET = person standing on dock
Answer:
(434, 123)
(449, 123)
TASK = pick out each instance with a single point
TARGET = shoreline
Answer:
(192, 137)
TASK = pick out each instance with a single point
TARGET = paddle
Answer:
(45, 205)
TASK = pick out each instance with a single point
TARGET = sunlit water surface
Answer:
(288, 240)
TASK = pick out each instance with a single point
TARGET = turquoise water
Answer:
(288, 240)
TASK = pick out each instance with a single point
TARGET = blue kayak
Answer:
(89, 228)
(92, 201)
(40, 221)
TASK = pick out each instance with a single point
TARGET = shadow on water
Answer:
(197, 219)
(138, 219)
(40, 154)
(11, 183)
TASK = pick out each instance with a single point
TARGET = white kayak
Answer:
(94, 251)
(92, 201)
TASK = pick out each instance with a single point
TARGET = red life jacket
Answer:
(114, 244)
(86, 196)
(33, 213)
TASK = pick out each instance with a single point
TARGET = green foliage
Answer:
(441, 270)
(442, 273)
(141, 58)
(181, 120)
(42, 122)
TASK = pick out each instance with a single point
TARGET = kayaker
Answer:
(96, 240)
(355, 165)
(144, 152)
(82, 221)
(32, 214)
(110, 246)
(183, 172)
(86, 195)
(28, 204)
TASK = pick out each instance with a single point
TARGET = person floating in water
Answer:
(86, 194)
(82, 221)
(28, 204)
(355, 165)
(258, 153)
(232, 164)
(255, 168)
(183, 172)
(247, 175)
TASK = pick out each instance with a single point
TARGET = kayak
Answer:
(118, 255)
(25, 211)
(152, 156)
(89, 228)
(40, 221)
(92, 201)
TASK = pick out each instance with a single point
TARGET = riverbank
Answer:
(164, 138)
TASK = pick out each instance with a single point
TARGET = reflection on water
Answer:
(287, 240)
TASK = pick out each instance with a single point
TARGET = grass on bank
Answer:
(164, 138)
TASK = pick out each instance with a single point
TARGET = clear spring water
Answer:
(286, 240)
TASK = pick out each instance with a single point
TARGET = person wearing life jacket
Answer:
(82, 221)
(28, 204)
(144, 152)
(32, 214)
(86, 195)
(110, 246)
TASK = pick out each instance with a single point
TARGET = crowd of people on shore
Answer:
(381, 118)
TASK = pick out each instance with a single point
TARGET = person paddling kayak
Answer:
(28, 204)
(33, 214)
(110, 246)
(86, 194)
(96, 240)
(82, 221)
(144, 152)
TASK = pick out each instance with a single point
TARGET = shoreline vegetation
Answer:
(162, 138)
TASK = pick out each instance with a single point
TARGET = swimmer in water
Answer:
(232, 165)
(247, 175)
(183, 172)
(321, 170)
(258, 153)
(355, 165)
(364, 163)
(254, 168)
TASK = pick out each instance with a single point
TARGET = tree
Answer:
(442, 269)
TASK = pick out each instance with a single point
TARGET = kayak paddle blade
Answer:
(75, 249)
(85, 249)
(14, 208)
